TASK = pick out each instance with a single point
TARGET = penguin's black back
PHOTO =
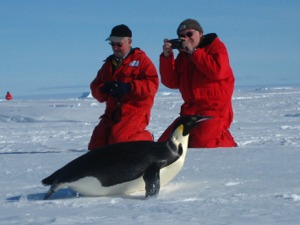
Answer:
(115, 163)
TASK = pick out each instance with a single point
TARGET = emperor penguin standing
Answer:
(127, 167)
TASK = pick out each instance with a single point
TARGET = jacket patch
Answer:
(134, 63)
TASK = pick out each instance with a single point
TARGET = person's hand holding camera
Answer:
(187, 46)
(181, 44)
(167, 48)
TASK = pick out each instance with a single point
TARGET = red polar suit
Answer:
(125, 119)
(8, 96)
(206, 83)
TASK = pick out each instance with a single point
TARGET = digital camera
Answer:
(176, 43)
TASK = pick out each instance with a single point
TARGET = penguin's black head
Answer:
(188, 122)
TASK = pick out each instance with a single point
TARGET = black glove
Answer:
(120, 89)
(116, 89)
(108, 87)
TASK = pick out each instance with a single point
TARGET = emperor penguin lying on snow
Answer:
(127, 167)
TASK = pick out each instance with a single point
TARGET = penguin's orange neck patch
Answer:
(180, 128)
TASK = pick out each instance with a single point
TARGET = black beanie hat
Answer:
(119, 32)
(189, 24)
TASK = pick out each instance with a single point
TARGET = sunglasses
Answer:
(187, 34)
(118, 44)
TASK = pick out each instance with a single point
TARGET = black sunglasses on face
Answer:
(187, 34)
(116, 44)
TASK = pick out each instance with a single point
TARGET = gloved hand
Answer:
(120, 89)
(116, 89)
(108, 87)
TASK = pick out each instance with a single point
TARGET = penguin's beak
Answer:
(195, 120)
(202, 118)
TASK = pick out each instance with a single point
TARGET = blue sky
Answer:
(58, 46)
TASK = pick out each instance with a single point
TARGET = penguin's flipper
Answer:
(152, 180)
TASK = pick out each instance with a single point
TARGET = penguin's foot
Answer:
(152, 189)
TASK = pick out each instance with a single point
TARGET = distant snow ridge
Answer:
(86, 95)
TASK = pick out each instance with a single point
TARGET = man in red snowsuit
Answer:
(127, 82)
(8, 96)
(203, 75)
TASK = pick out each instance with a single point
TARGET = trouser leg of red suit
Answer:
(132, 127)
(129, 128)
(100, 134)
(208, 134)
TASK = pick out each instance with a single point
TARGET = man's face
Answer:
(192, 36)
(121, 48)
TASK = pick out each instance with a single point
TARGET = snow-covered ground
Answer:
(256, 183)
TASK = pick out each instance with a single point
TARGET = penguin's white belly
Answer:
(91, 186)
(168, 173)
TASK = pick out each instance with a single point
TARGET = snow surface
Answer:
(256, 183)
